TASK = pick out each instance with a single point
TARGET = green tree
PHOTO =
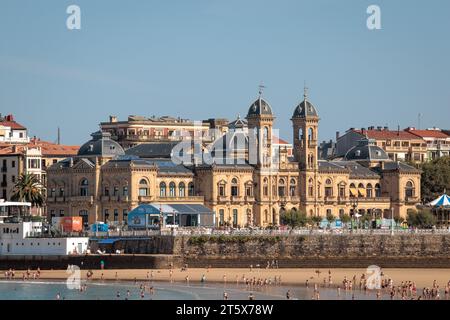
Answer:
(28, 188)
(330, 218)
(293, 218)
(345, 218)
(435, 178)
(421, 219)
(316, 220)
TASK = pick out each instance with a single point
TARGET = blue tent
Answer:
(442, 201)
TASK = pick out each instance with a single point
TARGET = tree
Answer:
(28, 189)
(316, 219)
(293, 218)
(435, 178)
(330, 218)
(421, 219)
(345, 218)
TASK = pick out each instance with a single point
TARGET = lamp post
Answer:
(392, 221)
(354, 204)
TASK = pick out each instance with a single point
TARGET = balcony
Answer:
(222, 199)
(249, 199)
(4, 169)
(145, 198)
(412, 200)
(180, 199)
(4, 184)
(124, 198)
(60, 199)
(105, 198)
(236, 199)
(114, 198)
(330, 200)
(83, 199)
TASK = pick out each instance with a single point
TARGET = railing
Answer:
(89, 199)
(262, 232)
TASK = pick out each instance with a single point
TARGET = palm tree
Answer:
(28, 189)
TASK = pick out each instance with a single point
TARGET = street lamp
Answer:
(354, 204)
(392, 221)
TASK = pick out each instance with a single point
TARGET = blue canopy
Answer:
(442, 201)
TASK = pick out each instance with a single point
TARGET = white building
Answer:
(25, 238)
(11, 131)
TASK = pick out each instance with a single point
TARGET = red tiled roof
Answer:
(47, 148)
(387, 134)
(278, 140)
(13, 125)
(429, 133)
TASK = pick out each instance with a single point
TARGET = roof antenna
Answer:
(59, 136)
(261, 89)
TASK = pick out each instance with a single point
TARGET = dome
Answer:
(259, 107)
(305, 109)
(101, 145)
(366, 150)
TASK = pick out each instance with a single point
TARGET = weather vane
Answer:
(261, 89)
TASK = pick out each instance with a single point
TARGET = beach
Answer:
(422, 277)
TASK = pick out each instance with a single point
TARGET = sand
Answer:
(422, 277)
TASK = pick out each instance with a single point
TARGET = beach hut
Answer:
(441, 208)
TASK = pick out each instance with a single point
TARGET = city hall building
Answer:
(104, 181)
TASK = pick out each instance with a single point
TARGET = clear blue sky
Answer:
(205, 58)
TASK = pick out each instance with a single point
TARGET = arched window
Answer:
(310, 188)
(353, 190)
(377, 190)
(235, 217)
(191, 191)
(265, 187)
(172, 188)
(341, 187)
(300, 134)
(292, 187)
(182, 190)
(328, 188)
(162, 189)
(281, 188)
(266, 134)
(84, 188)
(311, 134)
(143, 188)
(234, 187)
(369, 190)
(409, 190)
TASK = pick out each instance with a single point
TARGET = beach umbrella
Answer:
(442, 201)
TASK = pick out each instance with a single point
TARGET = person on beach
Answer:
(225, 296)
(288, 295)
(187, 280)
(58, 296)
(118, 295)
(203, 279)
(251, 297)
(225, 279)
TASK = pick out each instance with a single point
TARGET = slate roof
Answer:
(101, 145)
(259, 107)
(152, 150)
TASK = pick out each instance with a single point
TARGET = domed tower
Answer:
(305, 122)
(260, 121)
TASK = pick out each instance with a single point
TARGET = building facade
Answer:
(400, 145)
(104, 182)
(438, 142)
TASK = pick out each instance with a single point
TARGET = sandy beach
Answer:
(422, 277)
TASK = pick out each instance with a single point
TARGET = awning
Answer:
(362, 192)
(353, 192)
(176, 208)
(442, 201)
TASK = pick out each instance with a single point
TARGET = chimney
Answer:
(112, 119)
(9, 117)
(14, 148)
(337, 135)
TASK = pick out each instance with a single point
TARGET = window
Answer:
(249, 190)
(235, 217)
(221, 189)
(143, 188)
(116, 215)
(61, 192)
(106, 215)
(125, 216)
(328, 188)
(292, 187)
(409, 190)
(265, 187)
(369, 191)
(106, 192)
(116, 191)
(234, 188)
(310, 188)
(221, 217)
(181, 190)
(13, 164)
(61, 213)
(377, 190)
(281, 188)
(33, 163)
(84, 188)
(191, 192)
(342, 190)
(162, 189)
(125, 191)
(172, 189)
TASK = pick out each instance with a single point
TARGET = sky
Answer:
(201, 59)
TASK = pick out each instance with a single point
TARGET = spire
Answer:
(261, 89)
(305, 91)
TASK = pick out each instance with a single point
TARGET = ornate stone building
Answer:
(104, 182)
